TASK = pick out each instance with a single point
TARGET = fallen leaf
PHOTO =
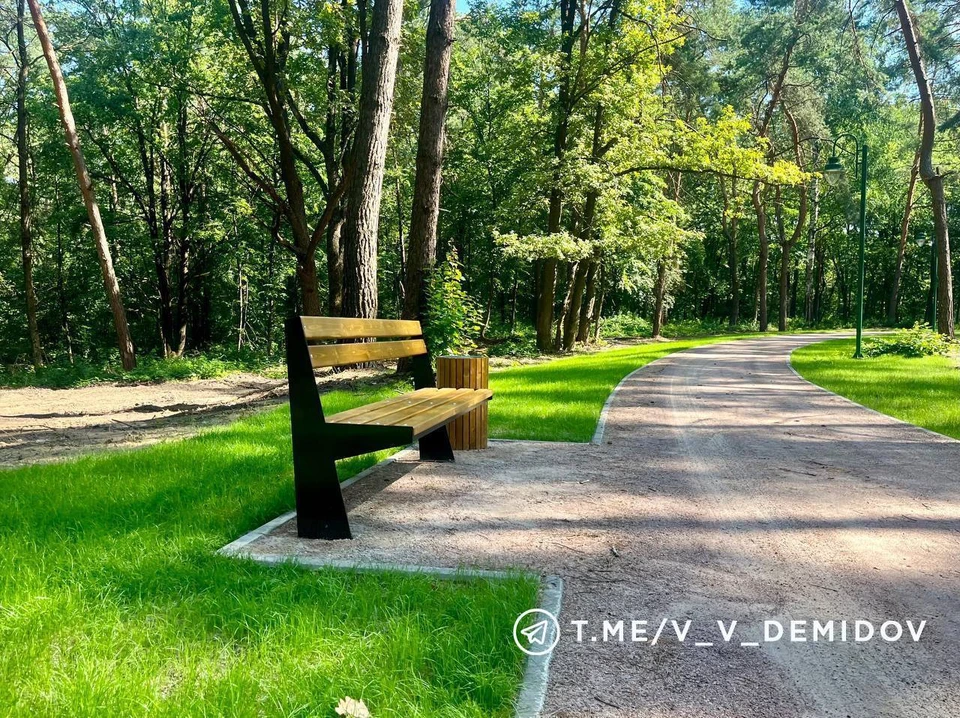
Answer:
(352, 708)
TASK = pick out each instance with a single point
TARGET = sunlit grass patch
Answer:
(113, 602)
(921, 390)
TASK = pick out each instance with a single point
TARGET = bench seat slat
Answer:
(426, 421)
(371, 412)
(321, 328)
(412, 415)
(338, 354)
(423, 410)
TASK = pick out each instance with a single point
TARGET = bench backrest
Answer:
(404, 339)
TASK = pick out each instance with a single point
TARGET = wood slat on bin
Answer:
(469, 431)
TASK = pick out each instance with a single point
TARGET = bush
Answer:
(920, 341)
(453, 319)
(522, 343)
(705, 327)
(625, 325)
(213, 365)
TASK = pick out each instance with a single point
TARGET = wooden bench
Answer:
(318, 440)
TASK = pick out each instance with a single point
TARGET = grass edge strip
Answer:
(802, 378)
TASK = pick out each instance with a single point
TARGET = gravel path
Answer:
(726, 488)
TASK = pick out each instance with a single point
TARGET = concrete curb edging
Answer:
(856, 403)
(533, 688)
(608, 404)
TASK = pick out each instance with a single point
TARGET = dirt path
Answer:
(39, 425)
(49, 424)
(726, 488)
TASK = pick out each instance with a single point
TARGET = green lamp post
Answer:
(833, 171)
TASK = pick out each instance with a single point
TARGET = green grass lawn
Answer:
(923, 391)
(113, 602)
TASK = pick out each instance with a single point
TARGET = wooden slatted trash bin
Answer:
(466, 372)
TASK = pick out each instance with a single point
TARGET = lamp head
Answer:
(833, 171)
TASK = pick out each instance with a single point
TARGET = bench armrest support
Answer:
(423, 376)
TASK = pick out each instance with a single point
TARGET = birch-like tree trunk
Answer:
(128, 357)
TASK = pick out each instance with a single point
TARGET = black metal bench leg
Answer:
(435, 446)
(321, 513)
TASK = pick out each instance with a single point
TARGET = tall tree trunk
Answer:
(659, 296)
(904, 234)
(545, 298)
(598, 312)
(513, 305)
(730, 221)
(589, 300)
(185, 188)
(734, 276)
(307, 281)
(785, 248)
(271, 262)
(243, 296)
(161, 260)
(932, 177)
(128, 357)
(335, 266)
(567, 280)
(578, 285)
(763, 261)
(26, 196)
(362, 219)
(342, 69)
(808, 306)
(775, 95)
(548, 277)
(61, 281)
(579, 282)
(787, 245)
(819, 285)
(399, 276)
(268, 49)
(422, 252)
(566, 308)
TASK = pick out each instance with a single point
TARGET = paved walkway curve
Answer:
(781, 501)
(725, 488)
